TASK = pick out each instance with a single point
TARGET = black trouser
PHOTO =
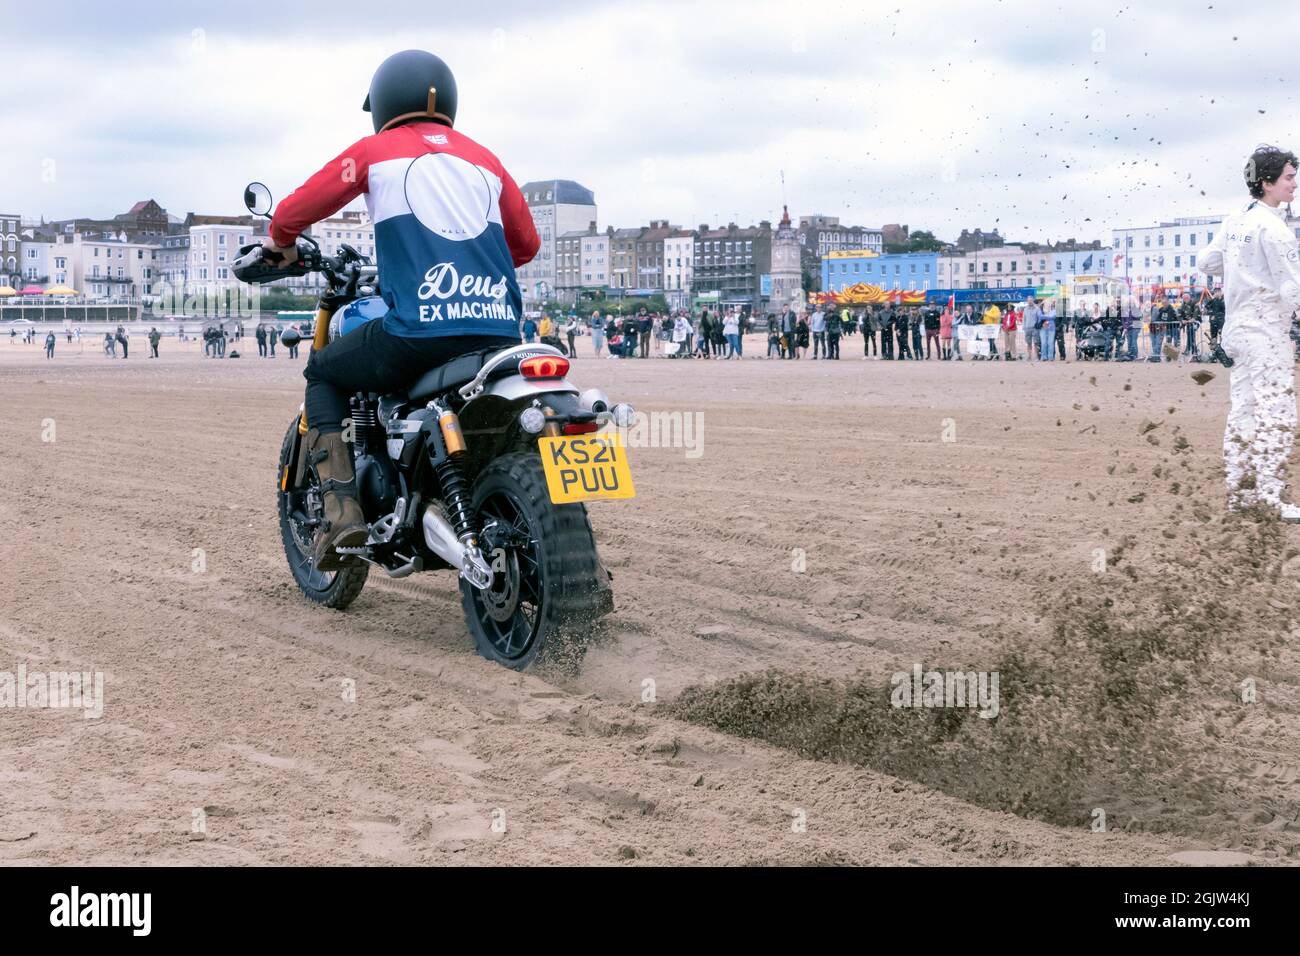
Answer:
(1060, 342)
(819, 344)
(293, 351)
(886, 343)
(370, 359)
(869, 343)
(261, 347)
(833, 345)
(903, 351)
(152, 348)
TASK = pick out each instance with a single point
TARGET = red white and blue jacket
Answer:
(450, 227)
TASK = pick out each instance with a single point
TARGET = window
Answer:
(1160, 240)
(1178, 262)
(1209, 237)
(1178, 239)
(1128, 242)
(221, 239)
(1146, 242)
(1191, 238)
(1191, 261)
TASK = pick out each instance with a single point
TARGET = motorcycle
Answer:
(482, 466)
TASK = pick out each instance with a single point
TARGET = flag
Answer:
(1087, 264)
(952, 302)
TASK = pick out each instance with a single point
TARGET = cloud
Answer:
(1047, 120)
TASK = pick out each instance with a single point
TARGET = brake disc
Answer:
(501, 598)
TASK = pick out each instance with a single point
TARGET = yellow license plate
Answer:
(586, 467)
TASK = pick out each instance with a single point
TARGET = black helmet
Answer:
(409, 85)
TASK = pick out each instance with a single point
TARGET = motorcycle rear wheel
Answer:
(546, 597)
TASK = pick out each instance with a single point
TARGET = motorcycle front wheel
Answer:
(335, 589)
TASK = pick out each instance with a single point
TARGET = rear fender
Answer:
(490, 421)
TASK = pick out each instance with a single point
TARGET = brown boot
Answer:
(345, 523)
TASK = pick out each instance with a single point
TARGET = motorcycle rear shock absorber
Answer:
(456, 498)
(455, 489)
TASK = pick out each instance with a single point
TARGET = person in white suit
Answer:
(1259, 260)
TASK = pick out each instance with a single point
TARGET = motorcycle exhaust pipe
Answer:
(441, 538)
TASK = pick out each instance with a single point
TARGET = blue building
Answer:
(908, 271)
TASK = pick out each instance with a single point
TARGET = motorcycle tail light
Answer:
(579, 428)
(544, 366)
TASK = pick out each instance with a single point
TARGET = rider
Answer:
(450, 227)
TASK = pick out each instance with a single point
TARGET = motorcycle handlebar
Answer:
(255, 263)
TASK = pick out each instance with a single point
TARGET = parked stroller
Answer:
(1092, 341)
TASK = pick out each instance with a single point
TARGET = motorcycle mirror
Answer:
(290, 337)
(257, 200)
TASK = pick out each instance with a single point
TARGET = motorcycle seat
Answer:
(451, 374)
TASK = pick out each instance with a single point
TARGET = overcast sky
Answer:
(1045, 120)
